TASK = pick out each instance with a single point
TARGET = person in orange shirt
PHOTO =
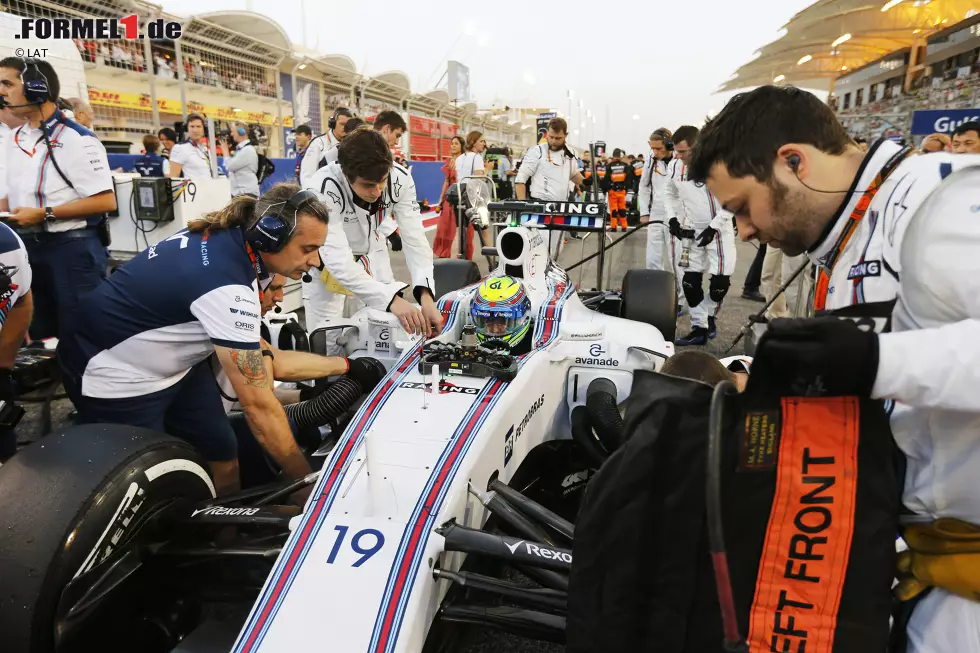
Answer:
(618, 179)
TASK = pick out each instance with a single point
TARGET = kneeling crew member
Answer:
(60, 188)
(501, 312)
(16, 307)
(139, 351)
(359, 190)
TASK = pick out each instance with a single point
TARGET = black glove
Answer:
(396, 241)
(706, 237)
(674, 227)
(366, 371)
(817, 357)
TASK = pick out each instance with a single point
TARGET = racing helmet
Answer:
(501, 310)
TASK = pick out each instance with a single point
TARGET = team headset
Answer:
(273, 229)
(666, 138)
(794, 164)
(339, 111)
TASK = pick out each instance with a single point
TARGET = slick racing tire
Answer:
(650, 296)
(452, 274)
(68, 501)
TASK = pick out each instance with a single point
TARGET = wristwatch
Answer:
(48, 213)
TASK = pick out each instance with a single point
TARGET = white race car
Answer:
(461, 459)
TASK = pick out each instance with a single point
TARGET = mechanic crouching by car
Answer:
(16, 308)
(58, 189)
(359, 190)
(896, 239)
(139, 352)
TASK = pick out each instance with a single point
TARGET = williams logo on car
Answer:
(595, 351)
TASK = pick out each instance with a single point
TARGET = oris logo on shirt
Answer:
(245, 325)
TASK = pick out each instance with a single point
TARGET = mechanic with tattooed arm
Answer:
(139, 351)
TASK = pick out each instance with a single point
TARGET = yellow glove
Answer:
(946, 554)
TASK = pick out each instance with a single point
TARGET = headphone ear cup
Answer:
(269, 234)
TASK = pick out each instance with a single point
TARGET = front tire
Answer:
(69, 501)
(650, 296)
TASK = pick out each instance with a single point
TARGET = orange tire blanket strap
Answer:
(811, 525)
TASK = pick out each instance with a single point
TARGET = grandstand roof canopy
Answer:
(831, 37)
(241, 33)
(392, 86)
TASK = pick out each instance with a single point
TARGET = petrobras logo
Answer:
(100, 29)
(540, 551)
(221, 511)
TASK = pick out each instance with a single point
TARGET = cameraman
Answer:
(243, 164)
(16, 307)
(59, 188)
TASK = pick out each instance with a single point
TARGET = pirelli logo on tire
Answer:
(811, 526)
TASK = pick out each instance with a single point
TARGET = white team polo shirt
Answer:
(549, 172)
(32, 179)
(195, 159)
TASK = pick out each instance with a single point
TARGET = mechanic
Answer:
(358, 191)
(936, 142)
(501, 311)
(619, 179)
(391, 125)
(651, 201)
(152, 164)
(61, 218)
(303, 135)
(190, 158)
(16, 307)
(331, 155)
(896, 237)
(139, 352)
(313, 156)
(243, 164)
(548, 168)
(966, 138)
(691, 206)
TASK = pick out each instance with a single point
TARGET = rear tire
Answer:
(650, 296)
(452, 274)
(71, 499)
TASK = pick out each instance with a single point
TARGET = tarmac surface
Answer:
(627, 255)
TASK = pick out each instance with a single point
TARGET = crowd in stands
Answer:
(120, 54)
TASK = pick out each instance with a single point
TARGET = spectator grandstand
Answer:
(236, 65)
(880, 63)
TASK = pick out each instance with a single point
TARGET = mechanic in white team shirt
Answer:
(313, 157)
(139, 351)
(190, 158)
(780, 160)
(545, 173)
(653, 183)
(691, 206)
(359, 192)
(16, 309)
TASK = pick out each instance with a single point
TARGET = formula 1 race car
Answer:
(451, 486)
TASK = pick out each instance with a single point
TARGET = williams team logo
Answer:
(127, 27)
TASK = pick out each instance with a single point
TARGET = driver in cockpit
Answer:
(501, 312)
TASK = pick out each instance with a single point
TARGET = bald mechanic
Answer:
(896, 240)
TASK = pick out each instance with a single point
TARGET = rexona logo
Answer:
(100, 29)
(445, 388)
(221, 511)
(540, 551)
(513, 434)
(595, 351)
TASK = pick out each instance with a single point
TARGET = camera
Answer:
(500, 151)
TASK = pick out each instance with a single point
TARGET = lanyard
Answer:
(255, 265)
(857, 215)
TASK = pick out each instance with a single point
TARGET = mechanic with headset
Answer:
(190, 158)
(650, 194)
(547, 168)
(331, 155)
(691, 206)
(313, 156)
(501, 311)
(896, 239)
(59, 189)
(359, 192)
(139, 352)
(16, 308)
(243, 165)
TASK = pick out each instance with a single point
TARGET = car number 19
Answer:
(374, 538)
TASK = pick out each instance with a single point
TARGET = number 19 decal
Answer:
(373, 538)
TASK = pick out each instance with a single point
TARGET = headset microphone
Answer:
(307, 278)
(6, 105)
